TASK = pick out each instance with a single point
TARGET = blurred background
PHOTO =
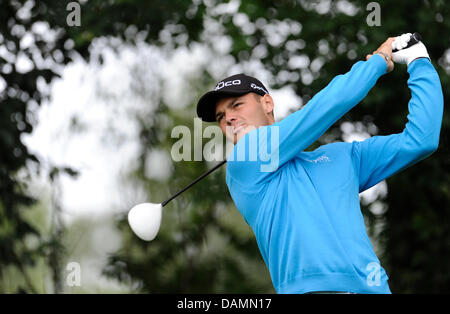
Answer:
(90, 91)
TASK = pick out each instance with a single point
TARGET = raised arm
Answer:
(299, 130)
(379, 157)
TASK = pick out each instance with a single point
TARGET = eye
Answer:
(237, 104)
(219, 118)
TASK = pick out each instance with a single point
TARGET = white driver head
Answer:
(145, 219)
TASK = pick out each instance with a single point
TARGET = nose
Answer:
(230, 117)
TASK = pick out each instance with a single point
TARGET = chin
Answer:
(238, 136)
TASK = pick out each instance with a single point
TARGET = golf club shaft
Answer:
(191, 184)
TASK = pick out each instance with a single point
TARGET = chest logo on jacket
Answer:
(320, 159)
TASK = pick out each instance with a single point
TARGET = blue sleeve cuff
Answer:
(420, 64)
(379, 62)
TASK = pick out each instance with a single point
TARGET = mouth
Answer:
(238, 129)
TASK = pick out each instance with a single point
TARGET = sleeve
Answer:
(282, 141)
(379, 157)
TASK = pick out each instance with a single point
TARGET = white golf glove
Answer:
(407, 55)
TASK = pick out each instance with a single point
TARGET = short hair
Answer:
(257, 97)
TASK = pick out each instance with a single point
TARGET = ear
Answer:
(268, 104)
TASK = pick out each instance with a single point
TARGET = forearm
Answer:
(425, 107)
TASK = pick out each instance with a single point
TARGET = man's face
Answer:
(238, 115)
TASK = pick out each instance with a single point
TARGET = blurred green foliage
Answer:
(19, 92)
(203, 245)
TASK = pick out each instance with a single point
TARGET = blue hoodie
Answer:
(303, 207)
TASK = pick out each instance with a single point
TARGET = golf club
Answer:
(145, 218)
(415, 38)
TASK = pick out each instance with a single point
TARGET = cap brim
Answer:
(206, 106)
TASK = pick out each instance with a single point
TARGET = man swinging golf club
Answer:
(305, 212)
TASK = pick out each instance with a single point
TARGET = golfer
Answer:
(305, 211)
